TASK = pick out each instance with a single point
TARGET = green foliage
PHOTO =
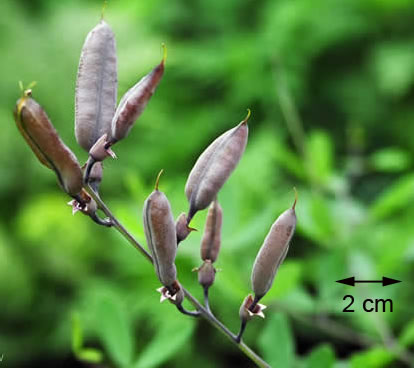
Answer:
(88, 355)
(330, 85)
(321, 357)
(276, 342)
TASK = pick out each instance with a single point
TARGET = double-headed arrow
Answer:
(385, 281)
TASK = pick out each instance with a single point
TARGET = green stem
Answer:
(206, 314)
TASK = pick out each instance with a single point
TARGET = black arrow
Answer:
(385, 281)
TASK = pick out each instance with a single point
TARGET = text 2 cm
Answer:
(370, 305)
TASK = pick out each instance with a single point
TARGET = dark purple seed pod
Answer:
(214, 166)
(210, 244)
(36, 128)
(161, 237)
(273, 252)
(134, 102)
(96, 86)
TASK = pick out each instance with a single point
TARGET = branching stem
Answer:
(204, 312)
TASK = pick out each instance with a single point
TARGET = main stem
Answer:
(206, 314)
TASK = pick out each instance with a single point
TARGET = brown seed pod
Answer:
(273, 252)
(160, 233)
(96, 86)
(43, 139)
(210, 244)
(134, 102)
(214, 166)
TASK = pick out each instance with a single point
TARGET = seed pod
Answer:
(134, 102)
(96, 86)
(210, 244)
(273, 252)
(214, 166)
(161, 237)
(43, 139)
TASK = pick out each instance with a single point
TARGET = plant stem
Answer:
(205, 313)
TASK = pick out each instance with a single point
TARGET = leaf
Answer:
(90, 355)
(394, 198)
(172, 334)
(373, 358)
(319, 151)
(391, 159)
(77, 334)
(407, 335)
(114, 330)
(287, 279)
(393, 65)
(276, 342)
(321, 357)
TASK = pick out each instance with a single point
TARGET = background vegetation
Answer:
(331, 87)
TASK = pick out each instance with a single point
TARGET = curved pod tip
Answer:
(104, 6)
(296, 198)
(158, 179)
(245, 120)
(164, 53)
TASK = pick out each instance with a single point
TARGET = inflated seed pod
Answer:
(214, 166)
(134, 102)
(43, 139)
(96, 86)
(161, 237)
(210, 244)
(273, 252)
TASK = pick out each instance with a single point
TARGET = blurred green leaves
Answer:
(276, 341)
(346, 71)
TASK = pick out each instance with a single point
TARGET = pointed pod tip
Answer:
(158, 179)
(26, 91)
(105, 4)
(296, 198)
(249, 112)
(164, 53)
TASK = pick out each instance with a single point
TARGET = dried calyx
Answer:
(214, 167)
(182, 228)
